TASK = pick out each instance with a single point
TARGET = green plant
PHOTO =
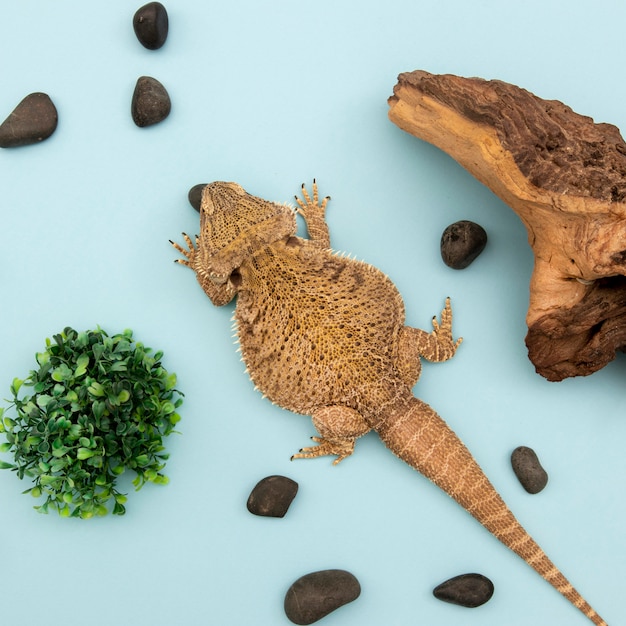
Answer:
(100, 405)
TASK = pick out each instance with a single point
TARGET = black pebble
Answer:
(272, 496)
(528, 469)
(469, 590)
(151, 25)
(151, 103)
(461, 243)
(195, 196)
(34, 119)
(315, 595)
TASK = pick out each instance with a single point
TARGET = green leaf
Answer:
(142, 460)
(43, 400)
(58, 465)
(98, 408)
(118, 366)
(32, 441)
(5, 447)
(43, 358)
(9, 424)
(96, 389)
(81, 365)
(47, 479)
(62, 373)
(168, 408)
(82, 339)
(5, 465)
(59, 452)
(16, 385)
(84, 453)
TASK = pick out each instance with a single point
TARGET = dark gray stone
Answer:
(272, 496)
(461, 243)
(315, 595)
(195, 196)
(528, 469)
(469, 590)
(34, 119)
(151, 103)
(151, 25)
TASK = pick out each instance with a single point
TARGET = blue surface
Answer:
(272, 94)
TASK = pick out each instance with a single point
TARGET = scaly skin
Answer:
(324, 335)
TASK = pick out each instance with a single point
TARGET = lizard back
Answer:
(315, 328)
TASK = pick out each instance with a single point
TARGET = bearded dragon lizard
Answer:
(324, 335)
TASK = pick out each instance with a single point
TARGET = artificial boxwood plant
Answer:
(96, 406)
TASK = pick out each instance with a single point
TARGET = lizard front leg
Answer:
(220, 291)
(314, 214)
(339, 427)
(436, 346)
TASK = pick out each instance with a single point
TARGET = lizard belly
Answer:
(319, 335)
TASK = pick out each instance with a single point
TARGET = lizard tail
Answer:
(416, 434)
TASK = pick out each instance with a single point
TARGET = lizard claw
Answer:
(443, 330)
(188, 253)
(314, 213)
(342, 449)
(311, 203)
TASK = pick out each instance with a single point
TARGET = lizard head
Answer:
(235, 224)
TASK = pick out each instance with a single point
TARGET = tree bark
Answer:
(565, 177)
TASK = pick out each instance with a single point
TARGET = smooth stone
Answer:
(151, 25)
(272, 496)
(469, 590)
(34, 119)
(151, 103)
(528, 469)
(315, 595)
(461, 243)
(195, 196)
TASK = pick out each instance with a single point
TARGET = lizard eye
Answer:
(217, 280)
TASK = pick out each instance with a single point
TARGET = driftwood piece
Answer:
(565, 177)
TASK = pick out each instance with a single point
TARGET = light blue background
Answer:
(272, 94)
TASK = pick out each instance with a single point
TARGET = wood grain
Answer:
(565, 177)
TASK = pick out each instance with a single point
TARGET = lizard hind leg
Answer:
(339, 427)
